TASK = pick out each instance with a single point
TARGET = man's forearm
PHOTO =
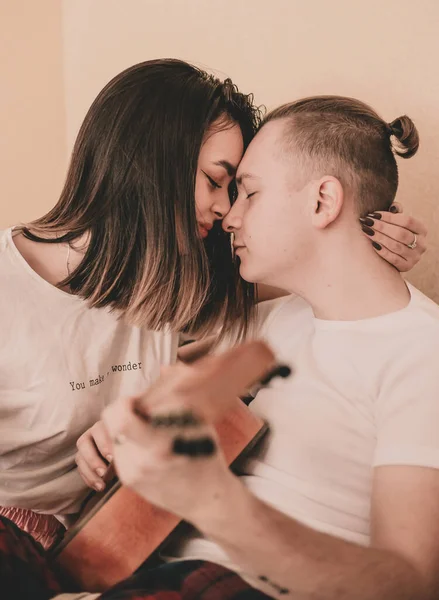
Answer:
(298, 562)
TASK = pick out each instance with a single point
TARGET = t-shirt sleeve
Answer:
(407, 410)
(266, 314)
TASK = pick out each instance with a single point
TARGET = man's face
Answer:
(271, 216)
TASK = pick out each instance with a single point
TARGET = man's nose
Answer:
(233, 220)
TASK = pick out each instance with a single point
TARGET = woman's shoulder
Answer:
(5, 235)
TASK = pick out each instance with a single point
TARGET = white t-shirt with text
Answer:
(61, 363)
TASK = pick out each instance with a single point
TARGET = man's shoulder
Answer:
(416, 326)
(423, 308)
(420, 326)
(281, 322)
(409, 350)
(286, 310)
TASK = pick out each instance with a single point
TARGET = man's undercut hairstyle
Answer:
(347, 139)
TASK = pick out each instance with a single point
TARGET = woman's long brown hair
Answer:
(131, 187)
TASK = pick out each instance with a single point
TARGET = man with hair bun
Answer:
(341, 500)
(352, 459)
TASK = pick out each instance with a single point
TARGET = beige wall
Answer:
(32, 116)
(382, 51)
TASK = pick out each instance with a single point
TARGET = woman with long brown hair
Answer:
(96, 291)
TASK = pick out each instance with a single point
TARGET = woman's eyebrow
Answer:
(231, 169)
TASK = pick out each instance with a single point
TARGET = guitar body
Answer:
(119, 530)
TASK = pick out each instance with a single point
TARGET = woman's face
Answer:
(218, 161)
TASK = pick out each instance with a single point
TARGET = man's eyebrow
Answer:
(231, 169)
(243, 176)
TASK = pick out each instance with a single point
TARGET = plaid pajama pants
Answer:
(26, 574)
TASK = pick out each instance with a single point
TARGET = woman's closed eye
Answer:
(212, 182)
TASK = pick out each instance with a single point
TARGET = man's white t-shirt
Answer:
(363, 394)
(61, 363)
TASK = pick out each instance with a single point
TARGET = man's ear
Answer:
(328, 201)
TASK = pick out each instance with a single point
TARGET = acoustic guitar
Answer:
(118, 530)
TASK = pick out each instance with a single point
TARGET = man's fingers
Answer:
(232, 372)
(207, 388)
(127, 428)
(209, 384)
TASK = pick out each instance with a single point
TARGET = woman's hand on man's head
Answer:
(398, 238)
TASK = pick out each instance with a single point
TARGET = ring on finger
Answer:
(414, 243)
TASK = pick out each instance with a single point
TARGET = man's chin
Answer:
(247, 274)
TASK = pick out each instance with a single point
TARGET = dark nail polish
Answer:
(206, 446)
(184, 419)
(198, 447)
(367, 221)
(376, 216)
(191, 448)
(179, 446)
(376, 245)
(393, 209)
(368, 230)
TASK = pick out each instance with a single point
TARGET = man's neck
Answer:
(351, 282)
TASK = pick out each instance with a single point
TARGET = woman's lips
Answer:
(204, 229)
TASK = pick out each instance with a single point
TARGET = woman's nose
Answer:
(221, 206)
